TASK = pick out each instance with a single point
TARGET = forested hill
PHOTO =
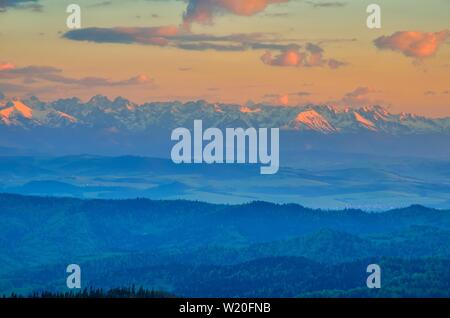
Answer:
(190, 248)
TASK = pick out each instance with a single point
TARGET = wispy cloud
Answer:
(172, 36)
(326, 4)
(143, 35)
(46, 74)
(100, 4)
(359, 97)
(301, 94)
(20, 4)
(436, 93)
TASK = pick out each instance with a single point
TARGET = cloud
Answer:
(277, 99)
(100, 4)
(283, 99)
(359, 92)
(360, 96)
(137, 80)
(20, 4)
(434, 93)
(301, 94)
(287, 99)
(412, 43)
(172, 36)
(286, 58)
(144, 35)
(311, 56)
(8, 87)
(334, 64)
(5, 66)
(204, 11)
(33, 74)
(326, 4)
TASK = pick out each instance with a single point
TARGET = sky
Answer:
(282, 52)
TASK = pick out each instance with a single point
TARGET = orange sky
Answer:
(285, 52)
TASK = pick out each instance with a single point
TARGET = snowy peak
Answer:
(314, 121)
(121, 115)
(23, 109)
(247, 110)
(18, 113)
(364, 122)
(13, 110)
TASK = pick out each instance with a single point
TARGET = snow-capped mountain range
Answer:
(122, 115)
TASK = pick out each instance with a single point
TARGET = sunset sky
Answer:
(235, 51)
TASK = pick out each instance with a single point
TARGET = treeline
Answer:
(121, 292)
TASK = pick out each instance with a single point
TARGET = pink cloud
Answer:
(285, 58)
(413, 43)
(140, 79)
(5, 66)
(312, 56)
(283, 100)
(246, 7)
(203, 11)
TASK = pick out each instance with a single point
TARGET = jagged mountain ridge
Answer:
(122, 115)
